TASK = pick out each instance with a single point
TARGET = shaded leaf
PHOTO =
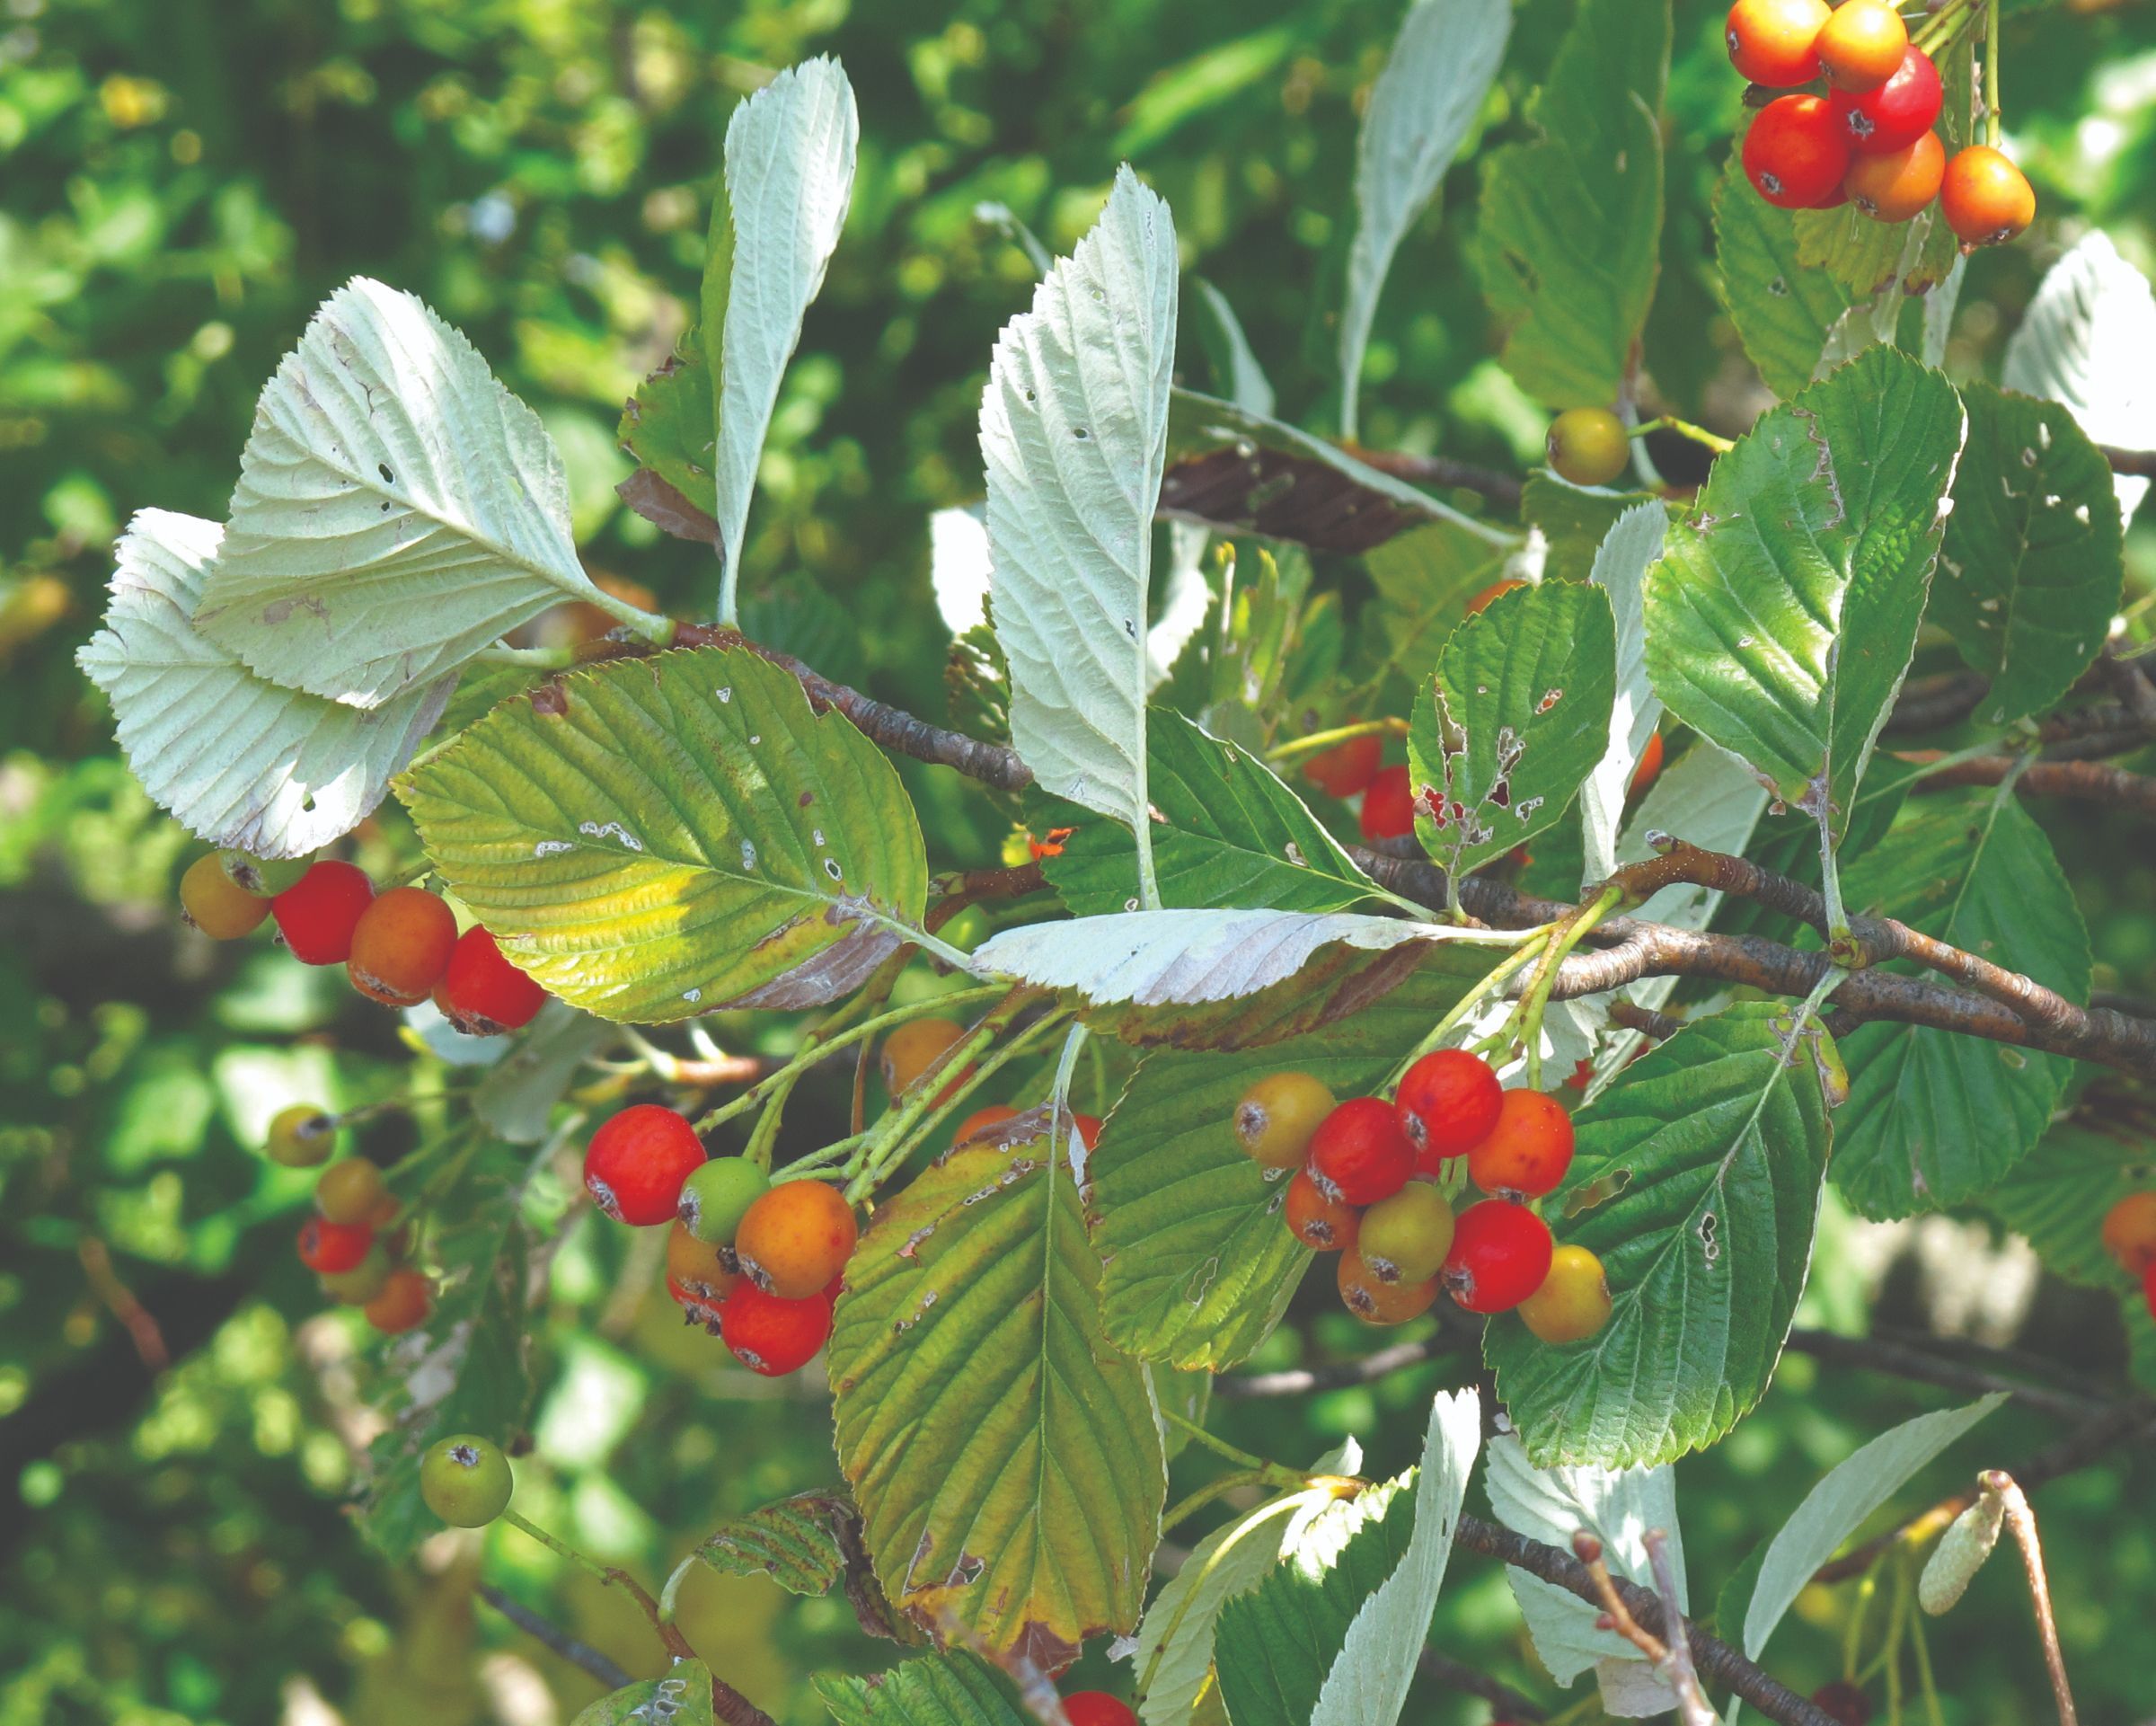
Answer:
(1621, 566)
(1783, 308)
(948, 1690)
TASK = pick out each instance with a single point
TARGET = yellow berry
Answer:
(1573, 1300)
(1588, 446)
(1275, 1117)
(215, 905)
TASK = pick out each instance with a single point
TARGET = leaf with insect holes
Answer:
(238, 760)
(1696, 1183)
(1006, 1458)
(808, 1544)
(1781, 617)
(1782, 308)
(2031, 570)
(397, 509)
(1515, 719)
(682, 1698)
(954, 1690)
(668, 835)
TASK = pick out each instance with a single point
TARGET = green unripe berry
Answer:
(263, 876)
(1588, 446)
(466, 1481)
(362, 1282)
(302, 1137)
(1404, 1238)
(718, 1194)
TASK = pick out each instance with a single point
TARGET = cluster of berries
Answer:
(399, 947)
(2129, 1237)
(353, 1241)
(1868, 140)
(1366, 1184)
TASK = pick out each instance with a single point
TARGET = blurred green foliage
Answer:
(181, 182)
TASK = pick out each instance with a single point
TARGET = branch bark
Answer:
(2091, 781)
(580, 1654)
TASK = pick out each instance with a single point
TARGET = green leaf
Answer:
(1226, 832)
(667, 426)
(793, 614)
(1516, 718)
(684, 833)
(1424, 581)
(1934, 1118)
(1780, 620)
(1574, 520)
(1074, 431)
(517, 1100)
(1571, 229)
(1005, 1457)
(1696, 1183)
(238, 760)
(1782, 307)
(808, 1544)
(1198, 1264)
(1442, 65)
(682, 1698)
(2056, 1196)
(2032, 567)
(397, 509)
(948, 1690)
(1233, 365)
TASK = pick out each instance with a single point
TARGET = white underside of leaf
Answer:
(1628, 550)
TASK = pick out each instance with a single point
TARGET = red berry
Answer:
(1089, 1130)
(637, 1162)
(482, 992)
(1322, 1223)
(1796, 153)
(1527, 1151)
(1984, 198)
(773, 1336)
(1097, 1708)
(317, 914)
(1500, 1255)
(400, 946)
(327, 1247)
(696, 1306)
(1775, 42)
(1893, 117)
(1848, 1704)
(1359, 1154)
(1345, 768)
(1388, 810)
(2129, 1231)
(1446, 1103)
(1649, 769)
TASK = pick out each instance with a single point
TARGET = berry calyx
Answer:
(1345, 768)
(1496, 591)
(363, 1281)
(1446, 1104)
(317, 914)
(1377, 1300)
(695, 1309)
(2129, 1232)
(914, 1048)
(698, 1268)
(1574, 1301)
(1775, 42)
(771, 1335)
(718, 1194)
(400, 946)
(1359, 1154)
(1588, 446)
(402, 1304)
(326, 1248)
(262, 876)
(796, 1238)
(210, 901)
(302, 1135)
(1984, 198)
(982, 1119)
(1894, 115)
(1388, 810)
(1404, 1238)
(1500, 1255)
(639, 1161)
(1649, 767)
(1097, 1708)
(466, 1481)
(1527, 1151)
(481, 993)
(1894, 187)
(1861, 44)
(350, 1191)
(1275, 1117)
(1322, 1223)
(1796, 153)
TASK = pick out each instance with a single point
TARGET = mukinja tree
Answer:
(1661, 894)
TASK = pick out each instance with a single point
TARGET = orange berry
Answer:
(699, 1267)
(1089, 1130)
(1861, 44)
(1649, 769)
(914, 1048)
(2130, 1232)
(981, 1119)
(795, 1238)
(1775, 42)
(400, 946)
(402, 1305)
(1495, 590)
(1322, 1224)
(1529, 1150)
(1894, 188)
(211, 900)
(1376, 1301)
(1985, 198)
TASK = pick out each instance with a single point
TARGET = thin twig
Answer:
(580, 1654)
(2091, 781)
(1500, 489)
(1673, 1669)
(1684, 1677)
(1457, 1675)
(2022, 1520)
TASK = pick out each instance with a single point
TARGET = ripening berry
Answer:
(914, 1048)
(699, 1268)
(2129, 1232)
(1345, 768)
(695, 1309)
(302, 1135)
(1862, 44)
(1359, 1154)
(466, 1481)
(1984, 198)
(400, 946)
(1320, 1223)
(1588, 446)
(386, 1210)
(1500, 1255)
(317, 914)
(1446, 1103)
(1894, 115)
(1775, 42)
(1405, 1238)
(796, 1238)
(1496, 591)
(1573, 1300)
(402, 1305)
(363, 1281)
(326, 1248)
(1275, 1117)
(1649, 769)
(718, 1194)
(1527, 1151)
(209, 900)
(981, 1121)
(638, 1162)
(1796, 153)
(770, 1335)
(1894, 187)
(1377, 1300)
(481, 993)
(262, 876)
(1097, 1708)
(349, 1192)
(1388, 810)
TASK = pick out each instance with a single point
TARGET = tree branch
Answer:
(1457, 1675)
(1500, 489)
(2139, 461)
(580, 1654)
(2090, 780)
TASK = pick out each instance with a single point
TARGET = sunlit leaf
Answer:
(1782, 307)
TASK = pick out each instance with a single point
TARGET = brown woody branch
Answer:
(1500, 489)
(2141, 461)
(1457, 1675)
(2092, 781)
(577, 1653)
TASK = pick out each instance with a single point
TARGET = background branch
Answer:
(580, 1654)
